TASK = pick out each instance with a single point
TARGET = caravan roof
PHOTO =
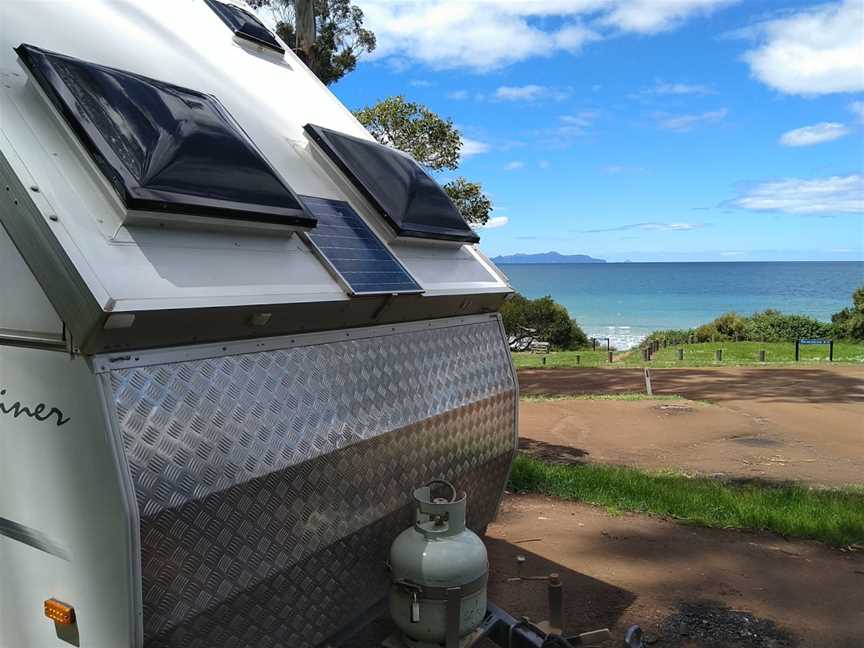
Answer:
(154, 173)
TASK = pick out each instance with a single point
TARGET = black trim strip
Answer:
(33, 538)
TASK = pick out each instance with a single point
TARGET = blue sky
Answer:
(643, 129)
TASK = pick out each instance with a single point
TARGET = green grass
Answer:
(558, 359)
(835, 517)
(700, 355)
(603, 397)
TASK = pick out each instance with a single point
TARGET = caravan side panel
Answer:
(270, 484)
(65, 527)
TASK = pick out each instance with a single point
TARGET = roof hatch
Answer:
(169, 152)
(412, 203)
(245, 24)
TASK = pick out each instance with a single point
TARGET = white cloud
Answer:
(815, 51)
(582, 119)
(543, 164)
(458, 95)
(685, 123)
(825, 196)
(514, 165)
(520, 93)
(489, 34)
(494, 223)
(420, 83)
(857, 107)
(664, 88)
(473, 147)
(531, 92)
(652, 16)
(815, 134)
(648, 227)
(622, 168)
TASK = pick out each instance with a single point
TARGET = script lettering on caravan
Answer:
(39, 412)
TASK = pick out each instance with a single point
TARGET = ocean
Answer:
(626, 301)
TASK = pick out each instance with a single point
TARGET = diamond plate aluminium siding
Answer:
(251, 470)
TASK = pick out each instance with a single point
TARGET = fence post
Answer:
(648, 389)
(680, 354)
(543, 360)
(578, 359)
(762, 355)
(610, 356)
(718, 355)
(797, 349)
(831, 351)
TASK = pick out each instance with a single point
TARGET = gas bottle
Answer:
(439, 572)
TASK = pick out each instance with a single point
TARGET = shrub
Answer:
(770, 326)
(774, 326)
(678, 336)
(548, 320)
(849, 323)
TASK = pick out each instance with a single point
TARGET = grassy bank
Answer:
(831, 516)
(698, 355)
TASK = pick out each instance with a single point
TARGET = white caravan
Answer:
(235, 333)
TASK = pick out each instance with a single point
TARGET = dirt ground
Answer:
(635, 569)
(629, 569)
(779, 424)
(688, 587)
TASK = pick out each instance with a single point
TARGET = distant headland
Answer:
(546, 257)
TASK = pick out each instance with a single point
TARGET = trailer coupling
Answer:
(508, 632)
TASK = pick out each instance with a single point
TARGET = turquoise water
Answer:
(626, 301)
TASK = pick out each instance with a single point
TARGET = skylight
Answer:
(411, 202)
(162, 147)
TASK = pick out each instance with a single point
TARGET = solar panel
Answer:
(352, 252)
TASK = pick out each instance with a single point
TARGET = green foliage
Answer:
(767, 326)
(849, 323)
(432, 141)
(543, 319)
(470, 200)
(340, 38)
(774, 326)
(832, 516)
(678, 336)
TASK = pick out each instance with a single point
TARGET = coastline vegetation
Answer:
(791, 510)
(740, 338)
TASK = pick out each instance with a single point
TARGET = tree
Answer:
(541, 319)
(849, 322)
(340, 38)
(470, 200)
(412, 128)
(434, 142)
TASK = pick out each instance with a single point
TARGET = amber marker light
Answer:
(59, 612)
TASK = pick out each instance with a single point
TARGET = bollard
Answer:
(680, 354)
(762, 355)
(610, 356)
(718, 355)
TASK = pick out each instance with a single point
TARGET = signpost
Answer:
(810, 341)
(594, 343)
